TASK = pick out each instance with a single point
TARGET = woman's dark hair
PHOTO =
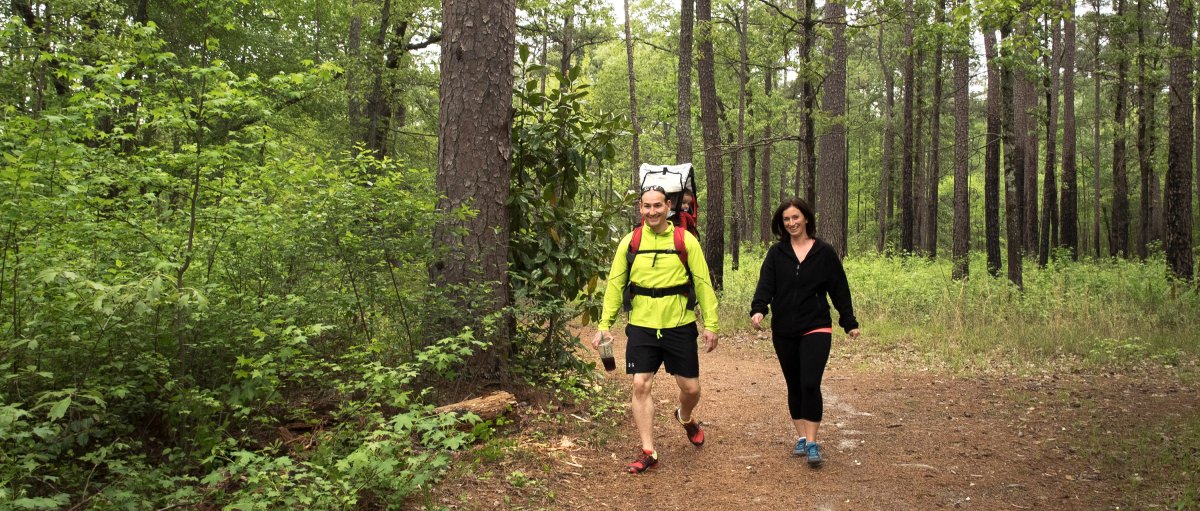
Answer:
(810, 219)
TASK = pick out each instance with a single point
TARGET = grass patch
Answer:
(1084, 315)
(1154, 465)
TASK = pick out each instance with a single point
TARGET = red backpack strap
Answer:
(681, 248)
(636, 241)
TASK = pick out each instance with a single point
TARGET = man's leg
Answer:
(643, 408)
(689, 396)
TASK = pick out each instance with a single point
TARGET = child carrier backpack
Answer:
(687, 289)
(676, 180)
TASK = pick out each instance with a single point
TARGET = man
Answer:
(658, 288)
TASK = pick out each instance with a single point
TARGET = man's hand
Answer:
(710, 341)
(600, 335)
(757, 320)
(854, 334)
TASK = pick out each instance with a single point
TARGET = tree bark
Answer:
(487, 407)
(1029, 170)
(738, 227)
(991, 164)
(832, 190)
(714, 232)
(906, 139)
(683, 84)
(1120, 200)
(635, 156)
(764, 213)
(1147, 92)
(353, 50)
(806, 179)
(568, 38)
(1096, 137)
(889, 135)
(474, 157)
(961, 251)
(1049, 231)
(935, 143)
(1013, 159)
(1177, 189)
(1069, 212)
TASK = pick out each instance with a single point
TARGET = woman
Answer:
(797, 274)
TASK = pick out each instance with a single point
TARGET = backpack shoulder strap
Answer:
(681, 248)
(636, 241)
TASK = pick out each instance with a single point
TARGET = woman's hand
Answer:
(854, 334)
(757, 320)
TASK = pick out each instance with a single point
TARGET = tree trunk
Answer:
(683, 85)
(961, 251)
(1016, 127)
(714, 204)
(806, 180)
(635, 156)
(1049, 231)
(885, 172)
(1013, 159)
(568, 39)
(1096, 138)
(1069, 212)
(935, 143)
(1120, 201)
(764, 212)
(1147, 92)
(1177, 189)
(751, 177)
(1029, 171)
(831, 203)
(918, 177)
(991, 164)
(353, 50)
(474, 156)
(738, 228)
(906, 139)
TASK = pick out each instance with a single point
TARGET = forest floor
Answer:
(892, 439)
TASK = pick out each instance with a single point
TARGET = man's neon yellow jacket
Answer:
(659, 271)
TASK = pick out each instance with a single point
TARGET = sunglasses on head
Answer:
(654, 188)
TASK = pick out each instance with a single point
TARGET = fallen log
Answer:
(487, 407)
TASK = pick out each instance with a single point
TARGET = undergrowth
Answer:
(1077, 315)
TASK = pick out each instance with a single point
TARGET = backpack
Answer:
(687, 289)
(675, 180)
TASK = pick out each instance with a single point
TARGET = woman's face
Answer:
(794, 221)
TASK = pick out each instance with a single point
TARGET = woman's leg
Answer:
(788, 353)
(813, 354)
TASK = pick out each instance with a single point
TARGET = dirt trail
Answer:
(891, 440)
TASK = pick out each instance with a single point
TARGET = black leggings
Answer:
(803, 362)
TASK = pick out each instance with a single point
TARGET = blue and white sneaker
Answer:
(801, 448)
(814, 455)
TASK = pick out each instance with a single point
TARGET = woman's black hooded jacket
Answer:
(795, 291)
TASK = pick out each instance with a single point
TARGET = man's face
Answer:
(654, 209)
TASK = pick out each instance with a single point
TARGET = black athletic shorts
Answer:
(645, 350)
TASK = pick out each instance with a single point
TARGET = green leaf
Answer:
(59, 409)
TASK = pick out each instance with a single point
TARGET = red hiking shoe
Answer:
(645, 461)
(694, 433)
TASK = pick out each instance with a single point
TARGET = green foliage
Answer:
(178, 281)
(560, 238)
